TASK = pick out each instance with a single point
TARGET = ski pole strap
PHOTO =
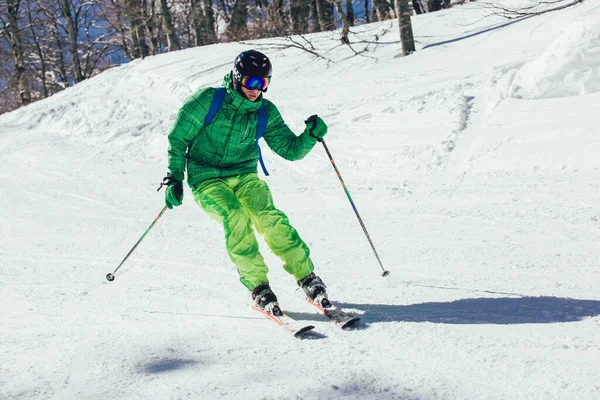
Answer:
(167, 180)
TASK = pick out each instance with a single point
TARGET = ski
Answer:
(292, 326)
(341, 318)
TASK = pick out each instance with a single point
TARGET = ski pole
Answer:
(111, 277)
(313, 119)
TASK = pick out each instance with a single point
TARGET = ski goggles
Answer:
(254, 83)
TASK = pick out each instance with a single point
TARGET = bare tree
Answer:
(69, 15)
(9, 93)
(172, 41)
(406, 32)
(58, 55)
(40, 47)
(85, 39)
(382, 10)
(48, 45)
(434, 5)
(325, 15)
(209, 22)
(238, 25)
(299, 12)
(418, 6)
(277, 19)
(9, 20)
(202, 21)
(314, 16)
(197, 22)
(138, 31)
(345, 23)
(350, 12)
(114, 13)
(151, 22)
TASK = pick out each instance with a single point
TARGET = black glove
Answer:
(173, 193)
(315, 127)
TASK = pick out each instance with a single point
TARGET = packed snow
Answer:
(474, 165)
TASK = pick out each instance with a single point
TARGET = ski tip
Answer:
(351, 324)
(300, 332)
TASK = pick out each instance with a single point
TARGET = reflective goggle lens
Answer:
(252, 82)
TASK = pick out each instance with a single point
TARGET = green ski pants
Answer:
(240, 202)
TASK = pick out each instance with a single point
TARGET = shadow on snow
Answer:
(503, 310)
(470, 35)
(166, 365)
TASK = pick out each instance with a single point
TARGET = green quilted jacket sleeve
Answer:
(282, 140)
(190, 120)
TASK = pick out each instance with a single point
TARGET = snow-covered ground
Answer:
(475, 168)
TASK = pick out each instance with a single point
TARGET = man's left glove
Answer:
(315, 127)
(173, 193)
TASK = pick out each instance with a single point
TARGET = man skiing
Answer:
(221, 153)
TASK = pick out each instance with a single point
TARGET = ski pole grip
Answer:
(312, 120)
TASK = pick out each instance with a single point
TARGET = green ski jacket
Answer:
(226, 147)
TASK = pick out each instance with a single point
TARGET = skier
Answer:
(221, 160)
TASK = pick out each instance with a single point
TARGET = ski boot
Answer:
(265, 299)
(314, 288)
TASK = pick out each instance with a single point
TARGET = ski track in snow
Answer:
(473, 165)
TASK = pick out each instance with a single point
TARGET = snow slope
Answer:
(474, 166)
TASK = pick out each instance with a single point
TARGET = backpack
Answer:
(261, 126)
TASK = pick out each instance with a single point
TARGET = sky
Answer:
(473, 165)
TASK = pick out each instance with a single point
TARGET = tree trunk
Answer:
(418, 6)
(38, 49)
(138, 38)
(172, 41)
(345, 24)
(198, 23)
(367, 11)
(238, 27)
(314, 16)
(209, 20)
(406, 33)
(383, 10)
(61, 64)
(123, 35)
(277, 18)
(150, 26)
(299, 11)
(16, 45)
(350, 12)
(325, 12)
(72, 31)
(434, 5)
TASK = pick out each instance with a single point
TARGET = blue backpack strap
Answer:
(261, 127)
(215, 106)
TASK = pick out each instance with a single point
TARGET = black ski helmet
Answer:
(250, 63)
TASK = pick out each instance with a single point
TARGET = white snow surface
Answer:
(475, 168)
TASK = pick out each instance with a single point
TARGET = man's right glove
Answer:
(173, 193)
(316, 127)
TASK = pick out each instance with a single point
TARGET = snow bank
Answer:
(570, 66)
